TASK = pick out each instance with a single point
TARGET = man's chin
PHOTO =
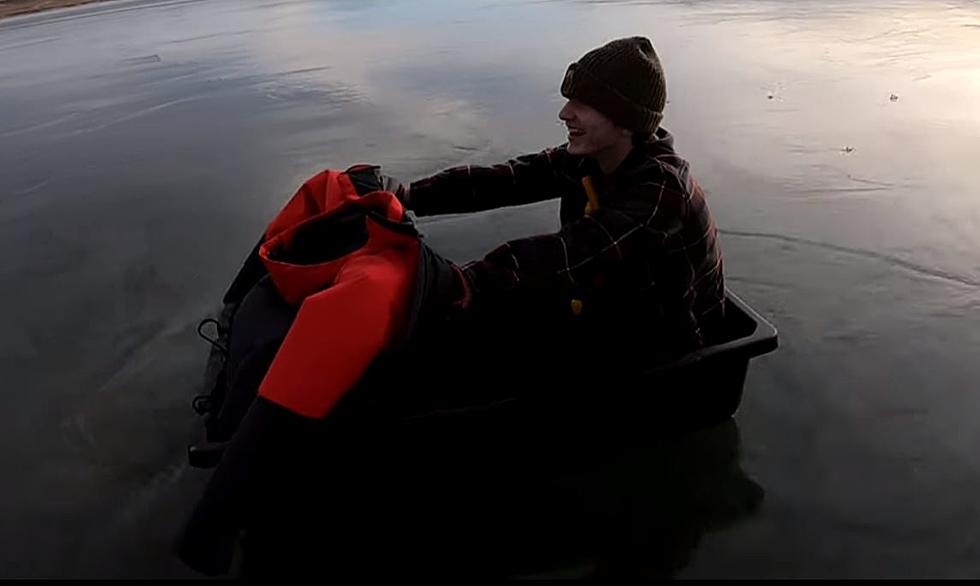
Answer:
(578, 150)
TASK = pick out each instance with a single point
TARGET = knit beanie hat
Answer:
(623, 80)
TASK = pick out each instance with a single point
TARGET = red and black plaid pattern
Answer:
(652, 241)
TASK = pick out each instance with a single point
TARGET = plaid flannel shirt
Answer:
(650, 250)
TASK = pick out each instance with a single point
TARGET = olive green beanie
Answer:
(623, 80)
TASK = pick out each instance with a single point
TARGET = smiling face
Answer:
(590, 133)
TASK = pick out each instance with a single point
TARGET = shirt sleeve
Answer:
(465, 189)
(584, 250)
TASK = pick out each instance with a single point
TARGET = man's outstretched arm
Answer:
(469, 188)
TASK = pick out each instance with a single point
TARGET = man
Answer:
(634, 275)
(637, 256)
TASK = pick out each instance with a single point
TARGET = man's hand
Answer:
(368, 178)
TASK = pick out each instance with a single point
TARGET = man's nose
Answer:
(565, 113)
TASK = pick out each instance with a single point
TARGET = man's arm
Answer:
(594, 245)
(465, 189)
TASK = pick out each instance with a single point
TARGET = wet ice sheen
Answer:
(143, 145)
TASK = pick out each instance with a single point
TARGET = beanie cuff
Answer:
(580, 84)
